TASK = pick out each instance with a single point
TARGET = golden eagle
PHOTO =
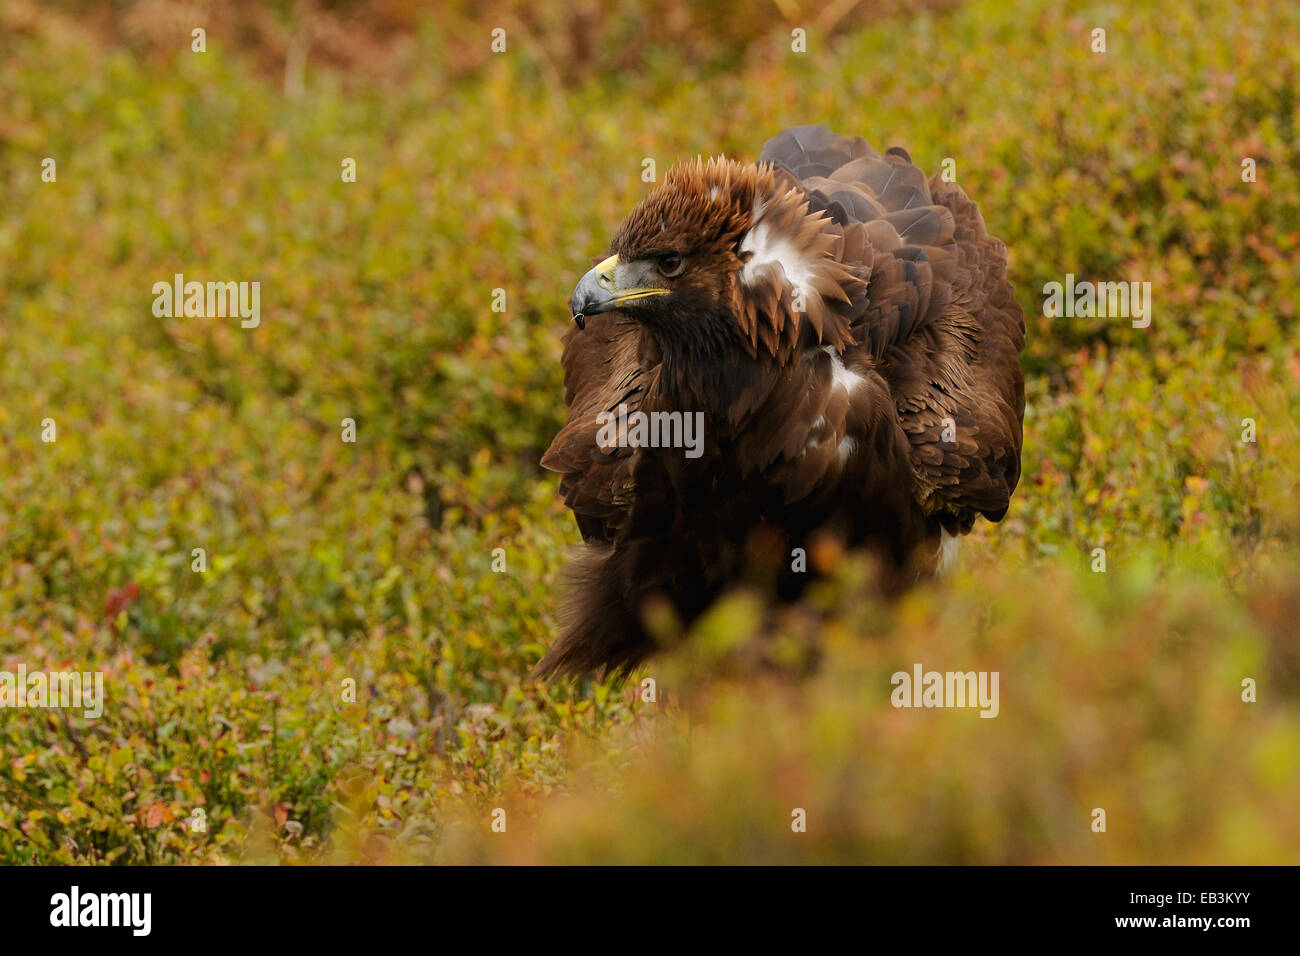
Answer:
(824, 342)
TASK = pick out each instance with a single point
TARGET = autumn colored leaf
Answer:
(154, 815)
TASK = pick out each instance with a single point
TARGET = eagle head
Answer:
(726, 255)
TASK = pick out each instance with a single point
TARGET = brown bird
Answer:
(823, 343)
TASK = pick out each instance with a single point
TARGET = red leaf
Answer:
(120, 598)
(154, 816)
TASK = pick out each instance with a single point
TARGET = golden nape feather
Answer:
(821, 343)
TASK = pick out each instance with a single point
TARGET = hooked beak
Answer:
(598, 292)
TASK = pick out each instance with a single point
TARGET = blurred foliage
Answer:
(372, 562)
(565, 43)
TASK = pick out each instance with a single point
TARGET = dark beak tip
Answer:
(580, 320)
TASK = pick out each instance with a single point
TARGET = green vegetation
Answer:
(372, 562)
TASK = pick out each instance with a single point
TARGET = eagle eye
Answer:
(671, 265)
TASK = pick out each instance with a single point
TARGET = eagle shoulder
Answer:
(939, 324)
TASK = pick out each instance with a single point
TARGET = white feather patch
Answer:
(947, 552)
(841, 375)
(768, 246)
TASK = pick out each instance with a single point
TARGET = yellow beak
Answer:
(598, 292)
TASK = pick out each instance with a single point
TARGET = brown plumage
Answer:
(848, 332)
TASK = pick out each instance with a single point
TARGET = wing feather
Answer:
(612, 362)
(940, 325)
